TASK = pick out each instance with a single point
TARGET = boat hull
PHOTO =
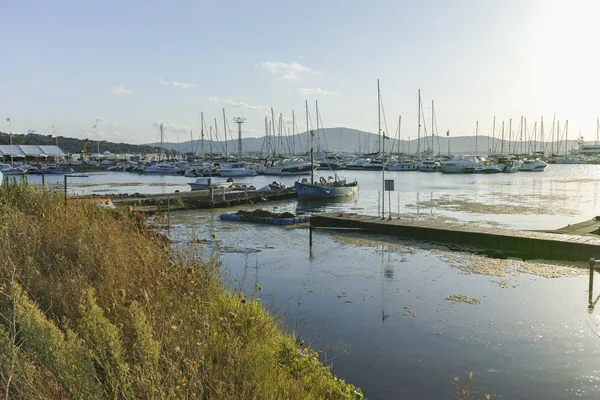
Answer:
(203, 186)
(308, 191)
(403, 167)
(232, 173)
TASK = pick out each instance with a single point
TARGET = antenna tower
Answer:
(239, 121)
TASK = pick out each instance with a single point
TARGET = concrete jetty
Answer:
(200, 199)
(509, 242)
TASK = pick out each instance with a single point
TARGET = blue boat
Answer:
(334, 187)
(324, 188)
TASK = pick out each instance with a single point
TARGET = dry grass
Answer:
(95, 305)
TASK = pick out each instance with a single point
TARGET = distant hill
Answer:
(72, 145)
(356, 141)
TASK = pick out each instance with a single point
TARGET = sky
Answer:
(127, 66)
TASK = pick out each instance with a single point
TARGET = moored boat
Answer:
(405, 165)
(235, 170)
(8, 170)
(460, 164)
(535, 165)
(204, 183)
(289, 166)
(325, 188)
(428, 166)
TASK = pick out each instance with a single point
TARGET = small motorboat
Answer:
(204, 183)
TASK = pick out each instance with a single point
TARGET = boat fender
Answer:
(323, 181)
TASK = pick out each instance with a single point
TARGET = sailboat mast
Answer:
(419, 126)
(293, 132)
(317, 118)
(552, 134)
(502, 141)
(399, 131)
(225, 133)
(280, 128)
(535, 137)
(210, 143)
(202, 135)
(383, 159)
(312, 135)
(217, 136)
(162, 134)
(273, 133)
(476, 135)
(520, 139)
(542, 133)
(378, 117)
(307, 128)
(566, 137)
(493, 136)
(432, 131)
(597, 129)
(510, 144)
(557, 137)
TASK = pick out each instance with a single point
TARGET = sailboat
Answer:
(334, 186)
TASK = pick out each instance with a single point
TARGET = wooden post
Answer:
(310, 234)
(43, 181)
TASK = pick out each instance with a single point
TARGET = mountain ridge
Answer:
(357, 141)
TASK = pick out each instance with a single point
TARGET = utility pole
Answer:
(239, 121)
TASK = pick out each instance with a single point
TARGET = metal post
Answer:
(390, 203)
(66, 176)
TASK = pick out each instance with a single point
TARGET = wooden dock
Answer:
(200, 199)
(508, 242)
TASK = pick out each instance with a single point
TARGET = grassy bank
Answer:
(93, 305)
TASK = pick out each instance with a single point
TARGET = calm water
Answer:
(377, 310)
(561, 195)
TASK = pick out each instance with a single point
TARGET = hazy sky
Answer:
(133, 63)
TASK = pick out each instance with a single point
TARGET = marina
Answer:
(205, 200)
(359, 290)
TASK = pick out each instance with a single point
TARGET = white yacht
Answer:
(535, 165)
(460, 164)
(163, 169)
(404, 165)
(236, 169)
(357, 163)
(203, 183)
(428, 166)
(8, 170)
(288, 166)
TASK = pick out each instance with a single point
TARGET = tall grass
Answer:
(95, 305)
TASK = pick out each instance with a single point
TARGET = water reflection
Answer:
(591, 302)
